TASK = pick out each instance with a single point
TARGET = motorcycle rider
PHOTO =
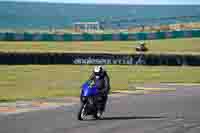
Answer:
(141, 47)
(102, 81)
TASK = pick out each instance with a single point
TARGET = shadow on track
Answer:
(132, 117)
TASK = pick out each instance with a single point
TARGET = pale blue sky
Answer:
(119, 1)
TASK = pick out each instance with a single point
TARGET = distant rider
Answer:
(142, 47)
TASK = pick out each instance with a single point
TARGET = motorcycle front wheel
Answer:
(82, 112)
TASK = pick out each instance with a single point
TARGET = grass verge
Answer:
(181, 46)
(23, 82)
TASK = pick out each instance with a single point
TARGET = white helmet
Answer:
(98, 71)
(142, 43)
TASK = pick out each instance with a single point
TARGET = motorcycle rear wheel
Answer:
(98, 115)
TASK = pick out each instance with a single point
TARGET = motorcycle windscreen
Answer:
(89, 91)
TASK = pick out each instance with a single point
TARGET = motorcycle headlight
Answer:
(83, 99)
(90, 101)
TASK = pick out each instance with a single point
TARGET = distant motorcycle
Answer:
(90, 101)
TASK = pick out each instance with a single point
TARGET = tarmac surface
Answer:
(168, 112)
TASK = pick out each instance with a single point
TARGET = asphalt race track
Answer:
(170, 112)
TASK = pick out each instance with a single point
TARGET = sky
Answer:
(118, 1)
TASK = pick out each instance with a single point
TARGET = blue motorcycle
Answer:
(89, 101)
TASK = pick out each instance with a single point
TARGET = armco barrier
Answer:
(67, 37)
(98, 37)
(93, 59)
(2, 36)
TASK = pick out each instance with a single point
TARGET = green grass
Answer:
(37, 81)
(189, 45)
